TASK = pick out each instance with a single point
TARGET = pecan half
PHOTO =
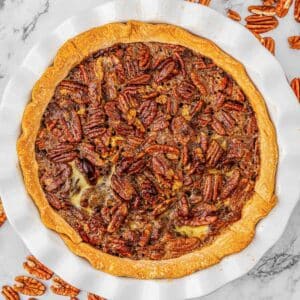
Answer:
(123, 187)
(2, 214)
(231, 184)
(214, 153)
(161, 166)
(269, 43)
(60, 287)
(162, 149)
(118, 218)
(186, 90)
(199, 84)
(295, 84)
(94, 297)
(88, 152)
(232, 14)
(167, 72)
(163, 206)
(34, 267)
(294, 41)
(182, 245)
(261, 24)
(29, 286)
(62, 153)
(9, 293)
(297, 11)
(282, 7)
(211, 188)
(147, 112)
(263, 10)
(146, 235)
(140, 79)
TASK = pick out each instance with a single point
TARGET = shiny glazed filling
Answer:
(148, 150)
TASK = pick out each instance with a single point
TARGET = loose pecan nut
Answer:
(60, 287)
(263, 10)
(2, 214)
(29, 286)
(234, 15)
(261, 24)
(282, 7)
(34, 267)
(297, 11)
(269, 43)
(295, 84)
(9, 293)
(94, 297)
(294, 41)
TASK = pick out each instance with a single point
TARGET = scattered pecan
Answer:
(263, 10)
(297, 10)
(9, 293)
(261, 24)
(29, 286)
(294, 41)
(34, 267)
(2, 214)
(269, 43)
(60, 287)
(295, 84)
(203, 2)
(232, 14)
(94, 297)
(282, 7)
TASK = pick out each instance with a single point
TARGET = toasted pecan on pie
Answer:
(150, 148)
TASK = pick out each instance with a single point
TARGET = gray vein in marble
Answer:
(2, 3)
(275, 264)
(27, 29)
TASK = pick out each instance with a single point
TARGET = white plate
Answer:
(265, 72)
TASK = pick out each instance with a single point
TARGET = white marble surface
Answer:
(24, 22)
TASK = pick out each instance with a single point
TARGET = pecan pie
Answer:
(149, 150)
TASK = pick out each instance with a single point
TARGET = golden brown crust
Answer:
(234, 238)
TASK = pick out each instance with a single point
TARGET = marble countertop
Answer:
(24, 22)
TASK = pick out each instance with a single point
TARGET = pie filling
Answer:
(148, 150)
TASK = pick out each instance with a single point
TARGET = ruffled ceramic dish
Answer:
(243, 47)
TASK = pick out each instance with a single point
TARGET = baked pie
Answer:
(149, 150)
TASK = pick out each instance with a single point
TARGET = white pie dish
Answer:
(265, 73)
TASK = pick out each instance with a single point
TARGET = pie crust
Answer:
(235, 237)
